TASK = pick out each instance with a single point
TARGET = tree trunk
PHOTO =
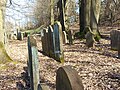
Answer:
(3, 55)
(90, 17)
(81, 15)
(52, 11)
(61, 16)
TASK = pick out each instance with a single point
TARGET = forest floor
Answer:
(98, 67)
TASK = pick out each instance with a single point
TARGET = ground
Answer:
(98, 67)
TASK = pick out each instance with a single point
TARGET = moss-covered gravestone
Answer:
(68, 79)
(33, 64)
(114, 34)
(59, 55)
(51, 42)
(4, 57)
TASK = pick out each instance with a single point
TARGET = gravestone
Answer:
(46, 42)
(59, 55)
(119, 46)
(33, 64)
(68, 79)
(51, 42)
(19, 36)
(114, 34)
(65, 41)
(43, 40)
(44, 35)
(89, 39)
(70, 37)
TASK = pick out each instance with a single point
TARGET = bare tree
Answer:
(91, 10)
(3, 55)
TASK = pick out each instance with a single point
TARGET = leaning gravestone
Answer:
(33, 64)
(114, 34)
(51, 42)
(59, 55)
(68, 79)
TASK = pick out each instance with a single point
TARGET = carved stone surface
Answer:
(68, 79)
(59, 55)
(20, 36)
(114, 34)
(51, 42)
(89, 39)
(33, 64)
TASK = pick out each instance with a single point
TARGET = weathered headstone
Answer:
(119, 46)
(114, 34)
(46, 38)
(59, 55)
(65, 41)
(51, 42)
(43, 40)
(70, 37)
(68, 79)
(33, 64)
(19, 36)
(89, 39)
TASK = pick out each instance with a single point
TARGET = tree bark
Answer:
(3, 55)
(81, 15)
(61, 16)
(52, 11)
(90, 10)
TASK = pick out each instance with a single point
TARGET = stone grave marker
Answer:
(59, 55)
(65, 41)
(43, 40)
(19, 36)
(46, 42)
(89, 39)
(33, 64)
(114, 34)
(70, 37)
(51, 42)
(68, 79)
(119, 46)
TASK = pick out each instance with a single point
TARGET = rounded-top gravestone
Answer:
(68, 79)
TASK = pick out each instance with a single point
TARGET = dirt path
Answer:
(98, 67)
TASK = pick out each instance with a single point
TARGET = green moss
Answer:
(62, 60)
(97, 37)
(4, 58)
